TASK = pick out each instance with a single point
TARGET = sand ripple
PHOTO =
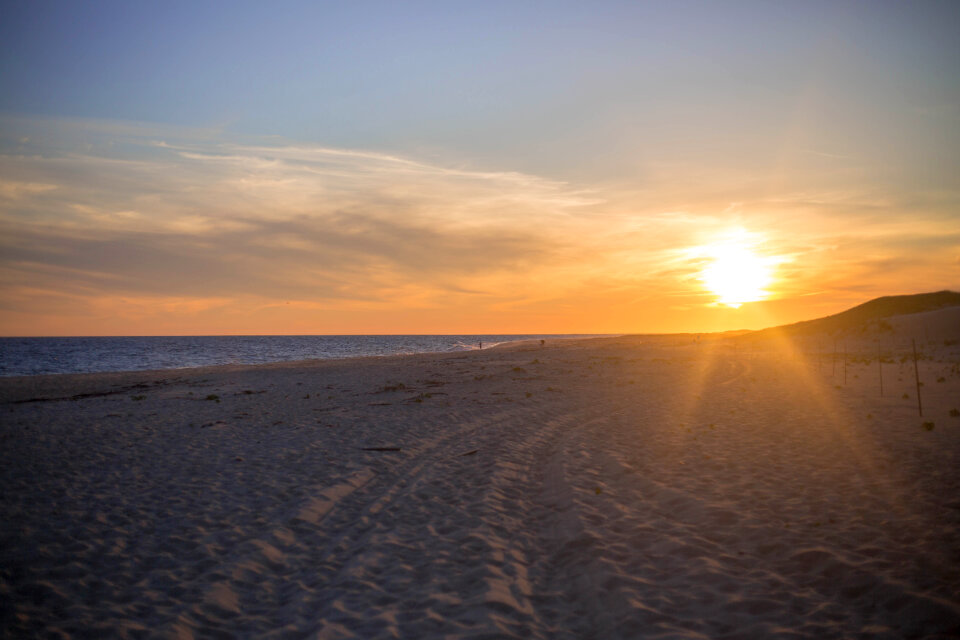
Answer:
(596, 489)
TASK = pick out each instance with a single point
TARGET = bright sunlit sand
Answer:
(636, 487)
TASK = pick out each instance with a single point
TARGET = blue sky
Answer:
(548, 86)
(769, 114)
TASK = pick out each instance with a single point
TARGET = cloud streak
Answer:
(316, 226)
(124, 229)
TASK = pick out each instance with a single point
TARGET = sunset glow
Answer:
(736, 274)
(484, 169)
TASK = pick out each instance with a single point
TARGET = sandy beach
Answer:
(635, 487)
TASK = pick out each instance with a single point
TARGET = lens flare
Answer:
(735, 273)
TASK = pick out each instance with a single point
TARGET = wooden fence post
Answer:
(833, 368)
(916, 373)
(880, 367)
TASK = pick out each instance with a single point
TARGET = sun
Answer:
(736, 274)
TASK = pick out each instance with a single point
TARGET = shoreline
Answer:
(139, 375)
(251, 353)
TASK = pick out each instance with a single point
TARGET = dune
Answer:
(634, 487)
(872, 314)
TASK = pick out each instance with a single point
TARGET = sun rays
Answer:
(735, 270)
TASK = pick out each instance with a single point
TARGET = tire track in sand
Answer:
(372, 538)
(441, 540)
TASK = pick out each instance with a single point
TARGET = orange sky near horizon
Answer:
(461, 168)
(209, 237)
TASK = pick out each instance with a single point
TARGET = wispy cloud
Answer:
(291, 223)
(102, 224)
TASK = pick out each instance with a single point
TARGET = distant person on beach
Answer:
(542, 342)
(481, 344)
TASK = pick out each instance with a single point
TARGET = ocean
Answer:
(39, 356)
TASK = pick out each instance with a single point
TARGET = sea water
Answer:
(37, 356)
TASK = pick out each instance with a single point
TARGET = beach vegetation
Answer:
(906, 396)
(213, 397)
(955, 413)
(928, 426)
(394, 387)
(138, 398)
(519, 370)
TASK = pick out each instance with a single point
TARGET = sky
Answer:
(199, 168)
